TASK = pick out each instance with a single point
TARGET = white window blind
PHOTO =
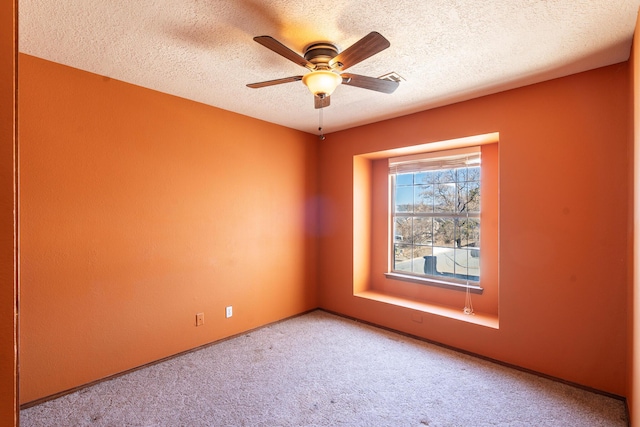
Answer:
(463, 157)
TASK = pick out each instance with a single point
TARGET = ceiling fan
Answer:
(326, 64)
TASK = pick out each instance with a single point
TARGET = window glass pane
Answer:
(404, 199)
(473, 174)
(404, 179)
(402, 257)
(460, 263)
(456, 263)
(430, 177)
(421, 178)
(411, 259)
(444, 263)
(430, 266)
(473, 197)
(445, 176)
(461, 232)
(466, 267)
(423, 196)
(419, 254)
(423, 231)
(473, 232)
(444, 232)
(444, 198)
(462, 175)
(462, 197)
(402, 230)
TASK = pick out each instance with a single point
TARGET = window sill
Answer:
(488, 320)
(475, 289)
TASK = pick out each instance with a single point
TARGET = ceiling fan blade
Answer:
(371, 83)
(367, 46)
(275, 82)
(273, 44)
(321, 102)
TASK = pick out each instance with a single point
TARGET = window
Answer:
(373, 252)
(435, 216)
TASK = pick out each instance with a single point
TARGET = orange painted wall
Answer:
(139, 210)
(563, 257)
(8, 280)
(633, 377)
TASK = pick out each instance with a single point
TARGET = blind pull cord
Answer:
(468, 305)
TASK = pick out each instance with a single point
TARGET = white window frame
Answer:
(424, 162)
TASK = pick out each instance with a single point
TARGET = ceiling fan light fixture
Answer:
(322, 82)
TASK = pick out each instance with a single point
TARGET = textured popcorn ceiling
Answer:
(446, 50)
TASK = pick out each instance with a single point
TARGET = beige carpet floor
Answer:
(323, 370)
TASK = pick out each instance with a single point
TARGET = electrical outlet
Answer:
(199, 319)
(229, 311)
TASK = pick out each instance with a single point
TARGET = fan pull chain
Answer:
(321, 136)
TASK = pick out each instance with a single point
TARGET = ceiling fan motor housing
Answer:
(320, 53)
